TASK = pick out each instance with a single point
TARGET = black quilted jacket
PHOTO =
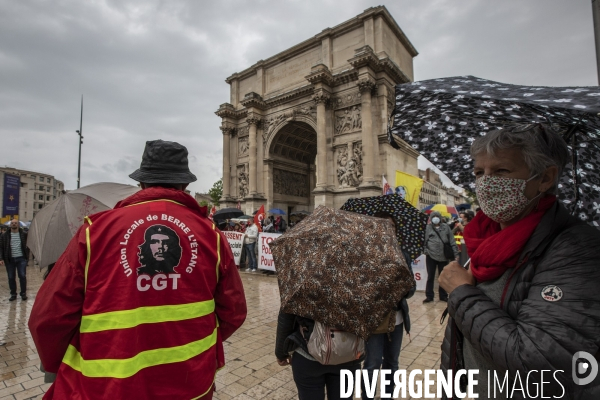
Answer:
(5, 250)
(527, 332)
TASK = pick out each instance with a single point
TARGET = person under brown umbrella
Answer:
(324, 259)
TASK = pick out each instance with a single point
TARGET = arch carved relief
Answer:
(242, 175)
(243, 146)
(350, 165)
(304, 113)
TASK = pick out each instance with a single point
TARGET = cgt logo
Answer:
(585, 368)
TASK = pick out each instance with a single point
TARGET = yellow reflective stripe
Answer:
(88, 245)
(209, 388)
(211, 385)
(145, 315)
(218, 251)
(152, 201)
(124, 368)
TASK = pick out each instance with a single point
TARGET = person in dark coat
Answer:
(437, 234)
(310, 376)
(14, 254)
(529, 302)
(383, 349)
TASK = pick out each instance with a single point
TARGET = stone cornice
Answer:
(348, 75)
(290, 95)
(320, 74)
(253, 99)
(226, 110)
(389, 67)
(337, 30)
(364, 57)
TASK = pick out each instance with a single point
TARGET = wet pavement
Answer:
(251, 371)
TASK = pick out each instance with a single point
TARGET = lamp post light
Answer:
(80, 133)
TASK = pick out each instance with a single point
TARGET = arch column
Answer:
(253, 122)
(369, 185)
(366, 87)
(322, 80)
(227, 131)
(321, 99)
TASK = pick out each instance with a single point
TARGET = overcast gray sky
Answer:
(152, 69)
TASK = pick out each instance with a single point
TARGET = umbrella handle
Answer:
(466, 266)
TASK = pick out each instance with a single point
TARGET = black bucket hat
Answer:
(164, 162)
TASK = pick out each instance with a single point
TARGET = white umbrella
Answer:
(21, 224)
(54, 225)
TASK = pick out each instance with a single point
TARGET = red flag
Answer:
(387, 189)
(259, 217)
(212, 212)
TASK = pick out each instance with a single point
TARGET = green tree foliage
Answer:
(471, 197)
(216, 192)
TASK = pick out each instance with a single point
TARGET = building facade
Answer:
(203, 197)
(308, 126)
(37, 190)
(434, 191)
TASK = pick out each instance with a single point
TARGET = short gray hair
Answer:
(540, 145)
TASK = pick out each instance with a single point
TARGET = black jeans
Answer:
(432, 265)
(312, 377)
(16, 266)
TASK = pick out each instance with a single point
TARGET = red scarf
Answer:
(494, 250)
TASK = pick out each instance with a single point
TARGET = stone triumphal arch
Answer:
(307, 126)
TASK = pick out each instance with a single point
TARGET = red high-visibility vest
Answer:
(148, 328)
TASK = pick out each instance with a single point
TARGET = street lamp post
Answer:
(80, 132)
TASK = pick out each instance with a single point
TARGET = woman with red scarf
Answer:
(528, 307)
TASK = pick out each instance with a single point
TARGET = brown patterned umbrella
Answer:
(341, 268)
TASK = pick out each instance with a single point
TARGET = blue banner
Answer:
(12, 184)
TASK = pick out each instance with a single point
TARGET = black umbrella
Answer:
(227, 213)
(300, 212)
(463, 207)
(440, 118)
(410, 222)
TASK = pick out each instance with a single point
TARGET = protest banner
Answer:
(420, 271)
(265, 257)
(236, 242)
(10, 206)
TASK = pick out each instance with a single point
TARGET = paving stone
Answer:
(259, 392)
(233, 389)
(251, 370)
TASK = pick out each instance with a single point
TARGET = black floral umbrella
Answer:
(440, 118)
(410, 222)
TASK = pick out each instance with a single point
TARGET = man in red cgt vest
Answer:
(140, 302)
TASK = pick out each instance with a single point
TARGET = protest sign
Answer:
(420, 271)
(236, 242)
(265, 258)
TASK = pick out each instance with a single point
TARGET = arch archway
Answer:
(291, 156)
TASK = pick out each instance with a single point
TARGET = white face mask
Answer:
(435, 220)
